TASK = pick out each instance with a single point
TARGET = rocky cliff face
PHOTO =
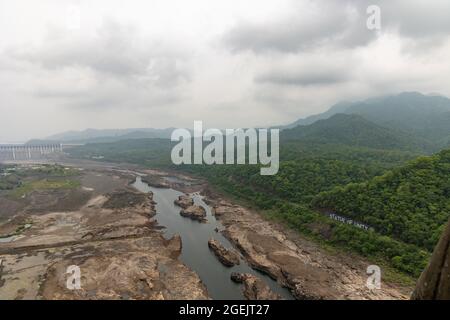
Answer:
(434, 283)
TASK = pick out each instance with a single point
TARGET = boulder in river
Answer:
(155, 181)
(254, 287)
(227, 257)
(195, 213)
(184, 201)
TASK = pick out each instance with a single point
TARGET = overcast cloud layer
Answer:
(77, 64)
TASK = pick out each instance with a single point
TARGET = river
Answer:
(195, 251)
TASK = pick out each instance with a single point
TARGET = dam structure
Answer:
(20, 152)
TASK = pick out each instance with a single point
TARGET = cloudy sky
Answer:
(77, 64)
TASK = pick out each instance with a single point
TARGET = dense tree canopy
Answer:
(411, 203)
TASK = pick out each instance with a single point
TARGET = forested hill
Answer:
(424, 116)
(354, 130)
(410, 203)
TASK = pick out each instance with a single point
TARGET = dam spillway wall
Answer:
(29, 152)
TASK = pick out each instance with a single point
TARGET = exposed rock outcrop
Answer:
(227, 257)
(155, 181)
(175, 245)
(184, 201)
(254, 288)
(434, 283)
(195, 213)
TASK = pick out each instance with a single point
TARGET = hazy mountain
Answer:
(109, 135)
(352, 129)
(40, 142)
(427, 116)
(340, 107)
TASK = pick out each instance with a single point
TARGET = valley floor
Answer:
(108, 229)
(112, 238)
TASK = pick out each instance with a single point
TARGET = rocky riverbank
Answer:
(296, 263)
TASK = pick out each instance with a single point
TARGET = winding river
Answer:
(195, 251)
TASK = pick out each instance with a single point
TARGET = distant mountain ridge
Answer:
(409, 120)
(424, 116)
(106, 135)
(354, 130)
(340, 107)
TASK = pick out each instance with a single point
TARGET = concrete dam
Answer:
(16, 152)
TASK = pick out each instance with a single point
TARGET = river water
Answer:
(195, 252)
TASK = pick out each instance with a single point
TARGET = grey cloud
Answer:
(330, 23)
(113, 69)
(108, 101)
(341, 24)
(113, 51)
(109, 95)
(417, 18)
(147, 66)
(308, 78)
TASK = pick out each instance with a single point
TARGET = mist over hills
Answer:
(340, 107)
(406, 121)
(353, 129)
(105, 135)
(423, 116)
(89, 134)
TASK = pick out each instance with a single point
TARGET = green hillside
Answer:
(411, 203)
(303, 175)
(424, 116)
(354, 130)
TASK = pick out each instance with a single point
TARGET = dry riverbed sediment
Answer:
(108, 229)
(112, 238)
